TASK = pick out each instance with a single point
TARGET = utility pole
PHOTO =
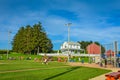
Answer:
(111, 54)
(115, 52)
(68, 24)
(8, 43)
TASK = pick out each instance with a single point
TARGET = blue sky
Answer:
(96, 20)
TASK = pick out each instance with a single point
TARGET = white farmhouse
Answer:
(72, 47)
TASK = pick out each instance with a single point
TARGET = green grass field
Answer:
(30, 70)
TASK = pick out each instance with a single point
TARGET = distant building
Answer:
(93, 49)
(109, 53)
(73, 47)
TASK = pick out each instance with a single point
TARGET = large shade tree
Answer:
(32, 39)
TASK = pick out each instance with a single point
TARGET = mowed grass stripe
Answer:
(21, 65)
(32, 75)
(33, 69)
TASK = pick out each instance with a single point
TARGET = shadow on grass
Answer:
(69, 70)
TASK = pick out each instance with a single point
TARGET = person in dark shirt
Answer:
(105, 62)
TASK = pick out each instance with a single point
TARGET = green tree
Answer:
(28, 39)
(84, 44)
(31, 39)
(18, 41)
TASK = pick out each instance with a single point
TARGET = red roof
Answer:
(110, 52)
(93, 49)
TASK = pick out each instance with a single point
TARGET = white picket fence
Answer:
(57, 54)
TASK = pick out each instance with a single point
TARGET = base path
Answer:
(101, 77)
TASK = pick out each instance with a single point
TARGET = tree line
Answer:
(31, 40)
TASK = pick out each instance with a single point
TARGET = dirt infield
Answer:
(94, 65)
(85, 64)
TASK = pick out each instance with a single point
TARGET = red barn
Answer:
(93, 49)
(110, 52)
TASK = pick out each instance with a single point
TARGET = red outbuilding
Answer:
(93, 49)
(110, 52)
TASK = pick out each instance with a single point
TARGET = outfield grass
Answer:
(6, 65)
(30, 70)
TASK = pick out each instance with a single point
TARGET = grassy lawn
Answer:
(8, 65)
(52, 71)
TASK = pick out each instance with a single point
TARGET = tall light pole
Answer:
(8, 43)
(68, 24)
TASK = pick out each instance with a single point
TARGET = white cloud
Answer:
(96, 34)
(57, 41)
